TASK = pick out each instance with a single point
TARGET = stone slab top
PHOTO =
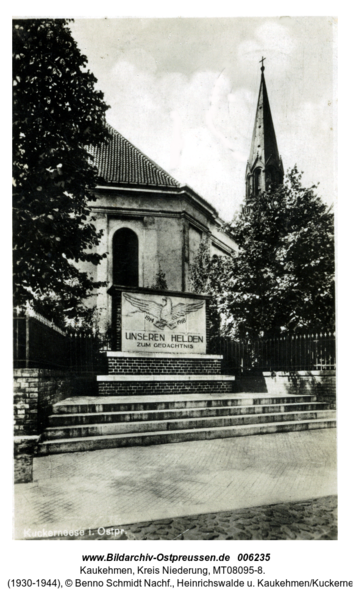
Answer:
(25, 438)
(171, 377)
(77, 400)
(116, 289)
(118, 354)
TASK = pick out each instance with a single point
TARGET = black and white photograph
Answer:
(164, 313)
(174, 320)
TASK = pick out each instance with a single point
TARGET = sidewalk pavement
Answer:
(85, 490)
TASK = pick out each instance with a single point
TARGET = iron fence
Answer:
(37, 343)
(307, 352)
(40, 344)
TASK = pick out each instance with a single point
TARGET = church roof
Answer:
(264, 143)
(120, 162)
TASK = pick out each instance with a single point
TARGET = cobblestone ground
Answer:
(309, 520)
(169, 482)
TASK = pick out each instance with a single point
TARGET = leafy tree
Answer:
(208, 275)
(57, 114)
(282, 279)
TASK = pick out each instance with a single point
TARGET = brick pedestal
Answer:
(137, 374)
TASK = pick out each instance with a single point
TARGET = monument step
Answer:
(88, 418)
(75, 431)
(103, 404)
(184, 435)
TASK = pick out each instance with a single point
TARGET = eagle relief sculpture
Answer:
(165, 314)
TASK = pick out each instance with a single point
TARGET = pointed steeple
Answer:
(264, 167)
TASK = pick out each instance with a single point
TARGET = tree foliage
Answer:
(282, 279)
(57, 114)
(208, 275)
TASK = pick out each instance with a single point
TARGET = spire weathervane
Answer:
(262, 66)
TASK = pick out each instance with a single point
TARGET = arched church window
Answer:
(125, 257)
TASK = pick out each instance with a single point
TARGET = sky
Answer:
(184, 91)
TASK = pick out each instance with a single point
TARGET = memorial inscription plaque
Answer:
(155, 323)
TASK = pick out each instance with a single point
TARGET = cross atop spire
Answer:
(262, 66)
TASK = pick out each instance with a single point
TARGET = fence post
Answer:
(27, 342)
(16, 342)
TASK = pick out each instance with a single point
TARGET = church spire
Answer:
(264, 167)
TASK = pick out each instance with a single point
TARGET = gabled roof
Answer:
(120, 162)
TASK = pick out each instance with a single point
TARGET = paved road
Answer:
(144, 484)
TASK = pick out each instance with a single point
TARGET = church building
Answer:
(151, 223)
